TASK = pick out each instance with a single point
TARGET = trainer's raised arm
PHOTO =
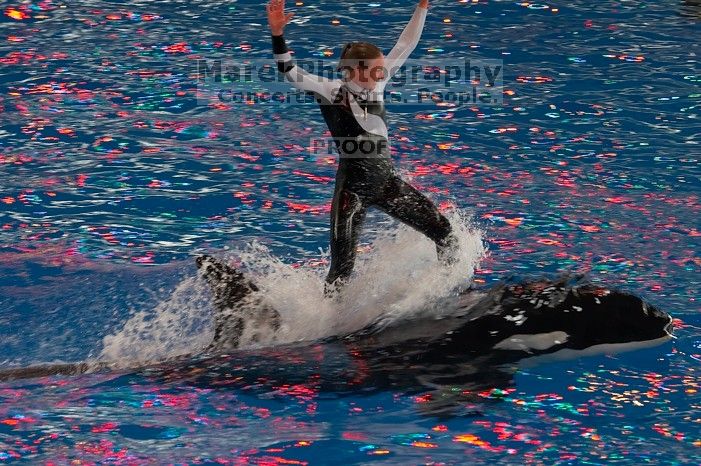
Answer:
(408, 40)
(278, 19)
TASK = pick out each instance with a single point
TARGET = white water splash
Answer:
(396, 277)
(179, 325)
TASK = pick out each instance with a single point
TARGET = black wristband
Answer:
(279, 45)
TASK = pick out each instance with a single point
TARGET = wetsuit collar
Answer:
(357, 89)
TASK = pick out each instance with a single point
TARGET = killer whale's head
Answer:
(621, 317)
(583, 318)
(548, 316)
(228, 284)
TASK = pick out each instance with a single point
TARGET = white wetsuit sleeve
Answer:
(407, 42)
(298, 77)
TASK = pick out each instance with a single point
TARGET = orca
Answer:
(483, 340)
(532, 318)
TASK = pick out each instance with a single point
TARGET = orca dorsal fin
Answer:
(237, 311)
(226, 281)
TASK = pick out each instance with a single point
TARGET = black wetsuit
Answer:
(366, 177)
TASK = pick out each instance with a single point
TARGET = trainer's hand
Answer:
(277, 19)
(423, 4)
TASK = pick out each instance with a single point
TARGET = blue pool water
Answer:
(114, 176)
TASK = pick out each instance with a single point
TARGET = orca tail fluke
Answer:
(48, 370)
